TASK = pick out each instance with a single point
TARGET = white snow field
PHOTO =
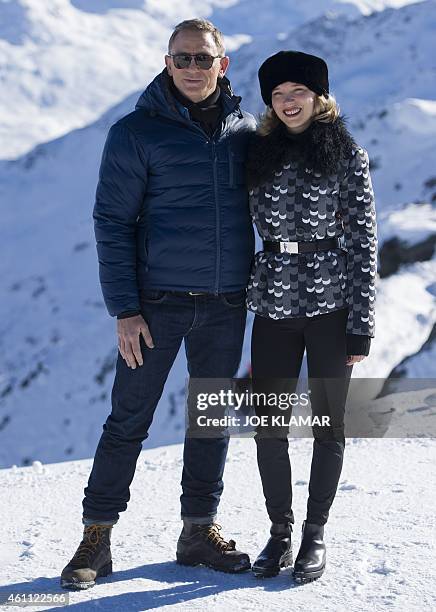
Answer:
(379, 538)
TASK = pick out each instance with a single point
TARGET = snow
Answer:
(413, 222)
(379, 535)
(417, 115)
(402, 324)
(65, 62)
(416, 366)
(70, 69)
(66, 66)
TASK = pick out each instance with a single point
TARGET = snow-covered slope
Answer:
(63, 66)
(381, 70)
(64, 62)
(380, 548)
(56, 378)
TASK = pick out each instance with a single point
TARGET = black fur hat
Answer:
(294, 66)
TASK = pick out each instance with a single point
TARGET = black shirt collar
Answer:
(189, 104)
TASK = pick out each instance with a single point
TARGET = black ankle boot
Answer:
(203, 544)
(311, 559)
(277, 552)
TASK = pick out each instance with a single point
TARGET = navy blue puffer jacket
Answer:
(171, 209)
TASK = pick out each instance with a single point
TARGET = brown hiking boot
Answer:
(204, 544)
(91, 560)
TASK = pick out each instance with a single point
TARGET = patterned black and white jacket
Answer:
(308, 186)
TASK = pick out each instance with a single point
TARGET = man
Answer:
(175, 244)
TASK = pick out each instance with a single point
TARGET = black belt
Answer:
(324, 244)
(189, 292)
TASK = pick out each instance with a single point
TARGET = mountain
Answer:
(58, 344)
(65, 62)
(378, 530)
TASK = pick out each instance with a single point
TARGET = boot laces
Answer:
(91, 539)
(213, 534)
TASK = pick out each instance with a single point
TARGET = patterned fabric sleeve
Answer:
(360, 234)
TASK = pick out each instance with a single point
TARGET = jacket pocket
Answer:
(146, 252)
(235, 299)
(236, 163)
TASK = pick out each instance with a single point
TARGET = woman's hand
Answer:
(352, 359)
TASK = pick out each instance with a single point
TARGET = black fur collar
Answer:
(320, 147)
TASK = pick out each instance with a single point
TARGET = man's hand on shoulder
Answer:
(129, 331)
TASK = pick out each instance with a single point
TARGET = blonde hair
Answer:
(199, 25)
(326, 110)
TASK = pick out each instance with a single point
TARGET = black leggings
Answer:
(277, 349)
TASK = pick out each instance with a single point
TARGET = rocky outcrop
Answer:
(396, 252)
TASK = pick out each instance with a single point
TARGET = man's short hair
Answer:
(199, 25)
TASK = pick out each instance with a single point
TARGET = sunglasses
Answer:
(202, 60)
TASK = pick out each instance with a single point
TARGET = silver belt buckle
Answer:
(289, 247)
(192, 293)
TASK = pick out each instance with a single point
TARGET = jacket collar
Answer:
(209, 102)
(157, 98)
(321, 147)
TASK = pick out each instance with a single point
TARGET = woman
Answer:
(311, 287)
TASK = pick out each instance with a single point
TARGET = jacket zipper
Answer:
(215, 187)
(217, 216)
(231, 173)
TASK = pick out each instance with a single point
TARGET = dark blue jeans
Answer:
(213, 330)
